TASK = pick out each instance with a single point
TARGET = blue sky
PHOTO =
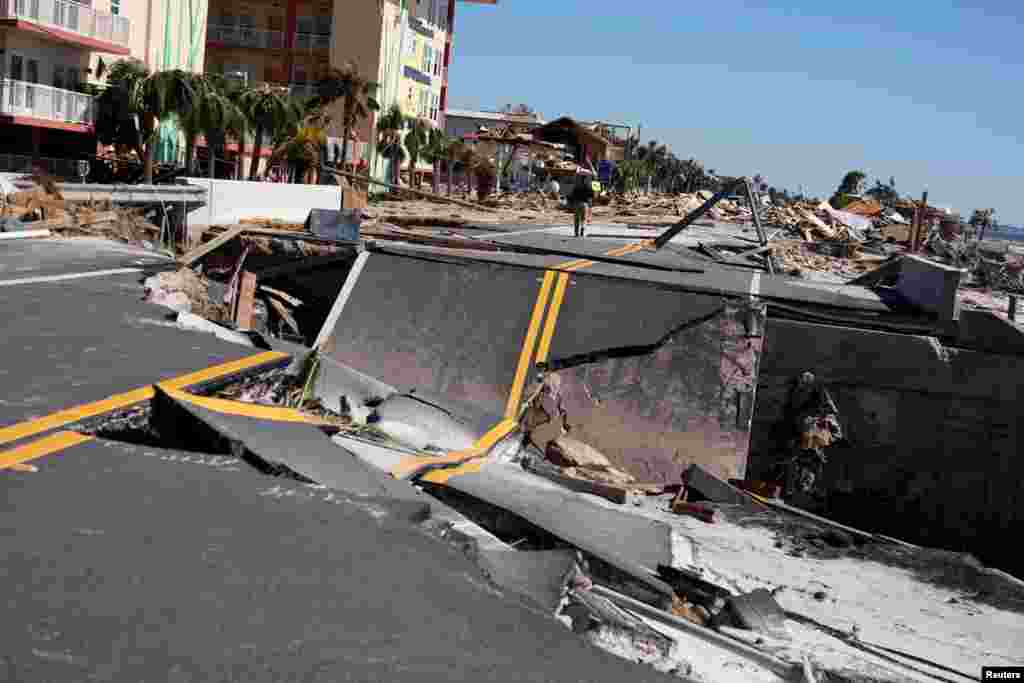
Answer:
(928, 92)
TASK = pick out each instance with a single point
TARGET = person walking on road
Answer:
(580, 199)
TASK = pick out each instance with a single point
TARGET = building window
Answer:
(434, 101)
(428, 58)
(410, 46)
(58, 77)
(115, 7)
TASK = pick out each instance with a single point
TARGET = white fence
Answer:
(21, 98)
(70, 16)
(229, 201)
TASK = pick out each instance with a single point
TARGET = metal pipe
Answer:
(1011, 312)
(773, 664)
(665, 237)
(754, 209)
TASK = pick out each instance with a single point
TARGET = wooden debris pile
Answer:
(44, 208)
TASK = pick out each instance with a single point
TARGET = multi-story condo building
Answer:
(403, 45)
(50, 50)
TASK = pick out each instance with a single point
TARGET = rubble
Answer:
(185, 291)
(738, 561)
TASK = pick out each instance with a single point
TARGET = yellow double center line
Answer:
(469, 460)
(61, 440)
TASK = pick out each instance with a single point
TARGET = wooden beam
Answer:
(204, 249)
(246, 301)
(284, 313)
(284, 296)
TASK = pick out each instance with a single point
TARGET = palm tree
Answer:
(269, 109)
(213, 114)
(139, 100)
(301, 150)
(437, 150)
(321, 119)
(389, 139)
(416, 143)
(356, 95)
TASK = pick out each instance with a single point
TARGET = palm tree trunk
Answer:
(190, 153)
(149, 149)
(257, 144)
(435, 178)
(147, 165)
(451, 169)
(344, 145)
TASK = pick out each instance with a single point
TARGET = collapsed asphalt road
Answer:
(136, 563)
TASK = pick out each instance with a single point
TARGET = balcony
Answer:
(312, 41)
(243, 36)
(43, 105)
(69, 22)
(20, 163)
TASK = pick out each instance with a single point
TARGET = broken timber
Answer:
(239, 230)
(421, 193)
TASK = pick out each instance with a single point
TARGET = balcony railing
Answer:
(20, 98)
(312, 41)
(243, 36)
(20, 163)
(70, 16)
(304, 90)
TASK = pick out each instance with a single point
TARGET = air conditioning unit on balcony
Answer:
(237, 76)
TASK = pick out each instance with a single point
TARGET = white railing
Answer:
(243, 36)
(20, 163)
(20, 98)
(301, 89)
(312, 41)
(70, 16)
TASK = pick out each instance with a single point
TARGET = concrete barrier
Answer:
(933, 434)
(229, 201)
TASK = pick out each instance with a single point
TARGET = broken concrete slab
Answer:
(712, 488)
(930, 286)
(422, 425)
(636, 344)
(756, 610)
(985, 331)
(568, 452)
(539, 575)
(632, 544)
(298, 445)
(610, 492)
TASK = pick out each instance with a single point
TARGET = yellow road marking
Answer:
(262, 412)
(40, 447)
(118, 401)
(472, 459)
(484, 444)
(549, 324)
(512, 407)
(556, 301)
(223, 369)
(63, 417)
